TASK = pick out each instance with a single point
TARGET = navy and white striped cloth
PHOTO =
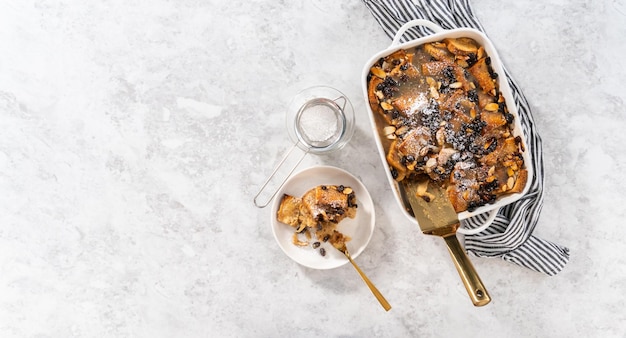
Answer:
(510, 236)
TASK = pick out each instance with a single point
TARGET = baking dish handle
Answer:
(413, 23)
(487, 223)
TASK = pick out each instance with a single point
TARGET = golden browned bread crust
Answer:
(289, 210)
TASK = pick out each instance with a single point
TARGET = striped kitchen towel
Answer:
(510, 236)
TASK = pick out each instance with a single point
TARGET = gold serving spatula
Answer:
(436, 216)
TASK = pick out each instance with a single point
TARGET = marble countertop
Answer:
(135, 135)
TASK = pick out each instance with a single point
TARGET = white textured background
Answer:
(133, 136)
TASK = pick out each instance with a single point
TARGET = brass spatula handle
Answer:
(474, 286)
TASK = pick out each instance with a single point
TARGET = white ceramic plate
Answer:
(360, 228)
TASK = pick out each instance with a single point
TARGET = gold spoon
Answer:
(367, 281)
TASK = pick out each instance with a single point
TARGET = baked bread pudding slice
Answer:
(317, 213)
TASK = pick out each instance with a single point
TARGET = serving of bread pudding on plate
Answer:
(316, 214)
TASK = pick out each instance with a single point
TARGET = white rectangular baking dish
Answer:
(504, 88)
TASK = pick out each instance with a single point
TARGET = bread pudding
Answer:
(317, 213)
(444, 119)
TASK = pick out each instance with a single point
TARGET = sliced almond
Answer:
(388, 130)
(492, 106)
(402, 130)
(510, 183)
(379, 72)
(422, 186)
(456, 85)
(347, 191)
(379, 95)
(440, 136)
(434, 93)
(386, 106)
(509, 171)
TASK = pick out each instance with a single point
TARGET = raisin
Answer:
(492, 146)
(322, 251)
(472, 205)
(326, 238)
(404, 67)
(448, 72)
(323, 187)
(491, 186)
(394, 173)
(316, 245)
(509, 118)
(472, 95)
(388, 91)
(340, 188)
(471, 59)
